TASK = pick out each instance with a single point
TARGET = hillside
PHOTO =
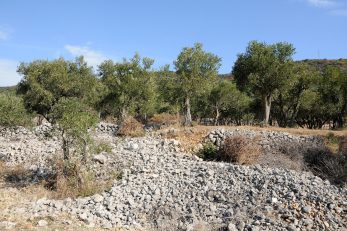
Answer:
(320, 64)
(8, 89)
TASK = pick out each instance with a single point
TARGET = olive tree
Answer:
(262, 70)
(130, 86)
(194, 67)
(12, 111)
(45, 82)
(73, 119)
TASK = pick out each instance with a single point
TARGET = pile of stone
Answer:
(162, 189)
(28, 146)
(268, 140)
(109, 128)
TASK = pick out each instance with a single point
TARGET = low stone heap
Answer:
(30, 147)
(109, 128)
(165, 190)
(268, 140)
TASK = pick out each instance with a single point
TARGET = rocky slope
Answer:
(164, 189)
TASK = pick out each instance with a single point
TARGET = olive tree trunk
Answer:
(216, 119)
(66, 149)
(267, 107)
(187, 114)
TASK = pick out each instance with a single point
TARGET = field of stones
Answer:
(157, 182)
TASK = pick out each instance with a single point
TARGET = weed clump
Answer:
(235, 149)
(327, 165)
(240, 149)
(131, 127)
(209, 152)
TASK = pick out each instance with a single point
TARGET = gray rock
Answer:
(100, 158)
(8, 224)
(232, 227)
(306, 209)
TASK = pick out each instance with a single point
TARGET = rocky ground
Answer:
(163, 188)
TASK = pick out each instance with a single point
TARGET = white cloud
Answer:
(8, 73)
(92, 57)
(322, 3)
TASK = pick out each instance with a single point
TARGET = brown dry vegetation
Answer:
(189, 137)
(14, 195)
(165, 119)
(240, 149)
(131, 127)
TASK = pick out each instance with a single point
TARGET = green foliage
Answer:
(45, 82)
(169, 98)
(224, 101)
(194, 68)
(12, 111)
(262, 70)
(309, 93)
(102, 147)
(130, 87)
(73, 119)
(325, 100)
(208, 152)
(288, 100)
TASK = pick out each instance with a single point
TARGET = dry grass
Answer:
(343, 144)
(73, 180)
(324, 163)
(239, 149)
(192, 136)
(189, 137)
(165, 119)
(14, 197)
(131, 127)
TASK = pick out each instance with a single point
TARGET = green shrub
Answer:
(12, 111)
(208, 152)
(102, 147)
(331, 137)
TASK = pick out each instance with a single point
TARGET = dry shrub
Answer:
(240, 149)
(18, 176)
(343, 144)
(131, 127)
(165, 119)
(324, 163)
(72, 180)
(101, 146)
(287, 155)
(110, 119)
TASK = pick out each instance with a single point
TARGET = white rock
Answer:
(98, 198)
(42, 223)
(100, 158)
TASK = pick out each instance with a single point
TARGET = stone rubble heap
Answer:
(268, 140)
(109, 128)
(164, 189)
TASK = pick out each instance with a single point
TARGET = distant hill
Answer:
(321, 64)
(10, 90)
(226, 76)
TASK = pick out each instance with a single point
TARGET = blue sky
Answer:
(100, 30)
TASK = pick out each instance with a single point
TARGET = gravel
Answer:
(164, 189)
